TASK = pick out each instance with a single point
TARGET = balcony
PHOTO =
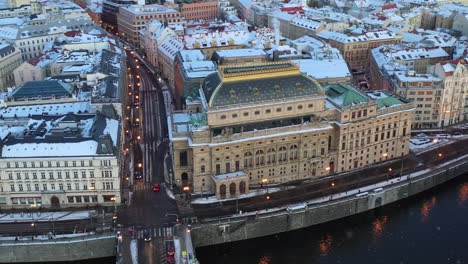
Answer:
(278, 131)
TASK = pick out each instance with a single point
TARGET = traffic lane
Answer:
(146, 251)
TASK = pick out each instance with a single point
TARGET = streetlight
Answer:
(264, 184)
(328, 169)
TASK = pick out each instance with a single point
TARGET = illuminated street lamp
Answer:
(140, 165)
(186, 189)
(328, 169)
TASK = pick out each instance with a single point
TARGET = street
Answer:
(150, 213)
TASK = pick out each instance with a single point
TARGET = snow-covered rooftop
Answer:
(324, 69)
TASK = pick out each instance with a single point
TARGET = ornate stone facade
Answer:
(267, 124)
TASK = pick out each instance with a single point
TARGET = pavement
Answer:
(185, 253)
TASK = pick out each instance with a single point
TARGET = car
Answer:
(146, 236)
(170, 251)
(156, 187)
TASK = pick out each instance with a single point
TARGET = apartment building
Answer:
(426, 91)
(10, 59)
(67, 160)
(355, 48)
(32, 39)
(454, 105)
(132, 19)
(200, 10)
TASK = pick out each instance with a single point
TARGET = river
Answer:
(431, 227)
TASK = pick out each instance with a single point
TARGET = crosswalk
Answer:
(164, 232)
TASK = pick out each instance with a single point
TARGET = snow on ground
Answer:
(44, 216)
(134, 251)
(169, 193)
(213, 199)
(45, 237)
(177, 249)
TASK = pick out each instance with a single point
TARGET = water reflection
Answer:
(265, 260)
(378, 226)
(325, 244)
(463, 194)
(427, 207)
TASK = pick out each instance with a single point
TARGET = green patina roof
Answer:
(263, 89)
(345, 95)
(385, 99)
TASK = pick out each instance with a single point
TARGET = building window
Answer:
(44, 186)
(51, 175)
(75, 174)
(20, 187)
(59, 175)
(41, 164)
(61, 186)
(248, 160)
(202, 169)
(91, 174)
(74, 163)
(83, 174)
(70, 199)
(52, 186)
(43, 175)
(82, 163)
(183, 159)
(69, 186)
(223, 117)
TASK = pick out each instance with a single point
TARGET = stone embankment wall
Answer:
(67, 249)
(243, 227)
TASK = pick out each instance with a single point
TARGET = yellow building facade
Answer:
(266, 123)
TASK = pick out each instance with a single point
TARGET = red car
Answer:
(156, 187)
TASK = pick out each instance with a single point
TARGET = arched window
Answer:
(248, 159)
(282, 154)
(184, 178)
(232, 189)
(242, 186)
(222, 191)
(293, 152)
(271, 155)
(259, 157)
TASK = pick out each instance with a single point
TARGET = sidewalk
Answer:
(185, 253)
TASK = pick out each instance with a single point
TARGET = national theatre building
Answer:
(269, 123)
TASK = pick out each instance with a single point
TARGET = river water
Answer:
(431, 227)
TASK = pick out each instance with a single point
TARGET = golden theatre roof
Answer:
(258, 82)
